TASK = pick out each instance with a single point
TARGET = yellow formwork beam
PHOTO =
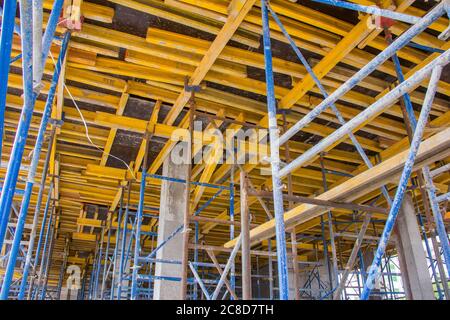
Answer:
(90, 11)
(210, 56)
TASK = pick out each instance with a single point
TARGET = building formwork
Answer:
(313, 137)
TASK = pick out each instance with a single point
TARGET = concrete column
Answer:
(413, 264)
(171, 211)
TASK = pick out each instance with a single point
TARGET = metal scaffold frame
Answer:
(121, 269)
(433, 69)
(30, 25)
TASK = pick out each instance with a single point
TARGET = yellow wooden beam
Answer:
(210, 57)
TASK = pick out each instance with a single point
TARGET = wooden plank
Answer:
(210, 57)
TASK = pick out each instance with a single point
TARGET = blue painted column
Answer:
(283, 285)
(440, 227)
(29, 97)
(139, 213)
(32, 171)
(6, 36)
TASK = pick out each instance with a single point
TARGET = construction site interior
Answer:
(224, 149)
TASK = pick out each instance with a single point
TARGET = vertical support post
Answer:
(39, 244)
(63, 268)
(233, 266)
(139, 214)
(287, 156)
(440, 227)
(99, 264)
(37, 43)
(44, 254)
(37, 212)
(187, 213)
(415, 143)
(116, 248)
(275, 159)
(123, 242)
(32, 173)
(106, 268)
(25, 118)
(326, 258)
(400, 77)
(245, 234)
(295, 265)
(330, 231)
(6, 36)
(29, 98)
(270, 270)
(48, 258)
(430, 256)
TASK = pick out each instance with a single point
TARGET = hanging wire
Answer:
(86, 126)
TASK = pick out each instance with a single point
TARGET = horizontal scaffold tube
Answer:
(400, 42)
(369, 113)
(372, 10)
(444, 197)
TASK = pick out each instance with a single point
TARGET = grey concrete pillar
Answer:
(171, 211)
(415, 274)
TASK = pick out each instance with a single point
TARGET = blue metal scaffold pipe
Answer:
(139, 213)
(44, 255)
(283, 284)
(6, 36)
(401, 189)
(123, 243)
(116, 248)
(398, 43)
(339, 116)
(233, 266)
(371, 10)
(48, 261)
(30, 96)
(32, 171)
(430, 256)
(25, 119)
(37, 212)
(39, 244)
(440, 227)
(376, 108)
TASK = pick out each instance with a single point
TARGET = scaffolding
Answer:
(122, 267)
